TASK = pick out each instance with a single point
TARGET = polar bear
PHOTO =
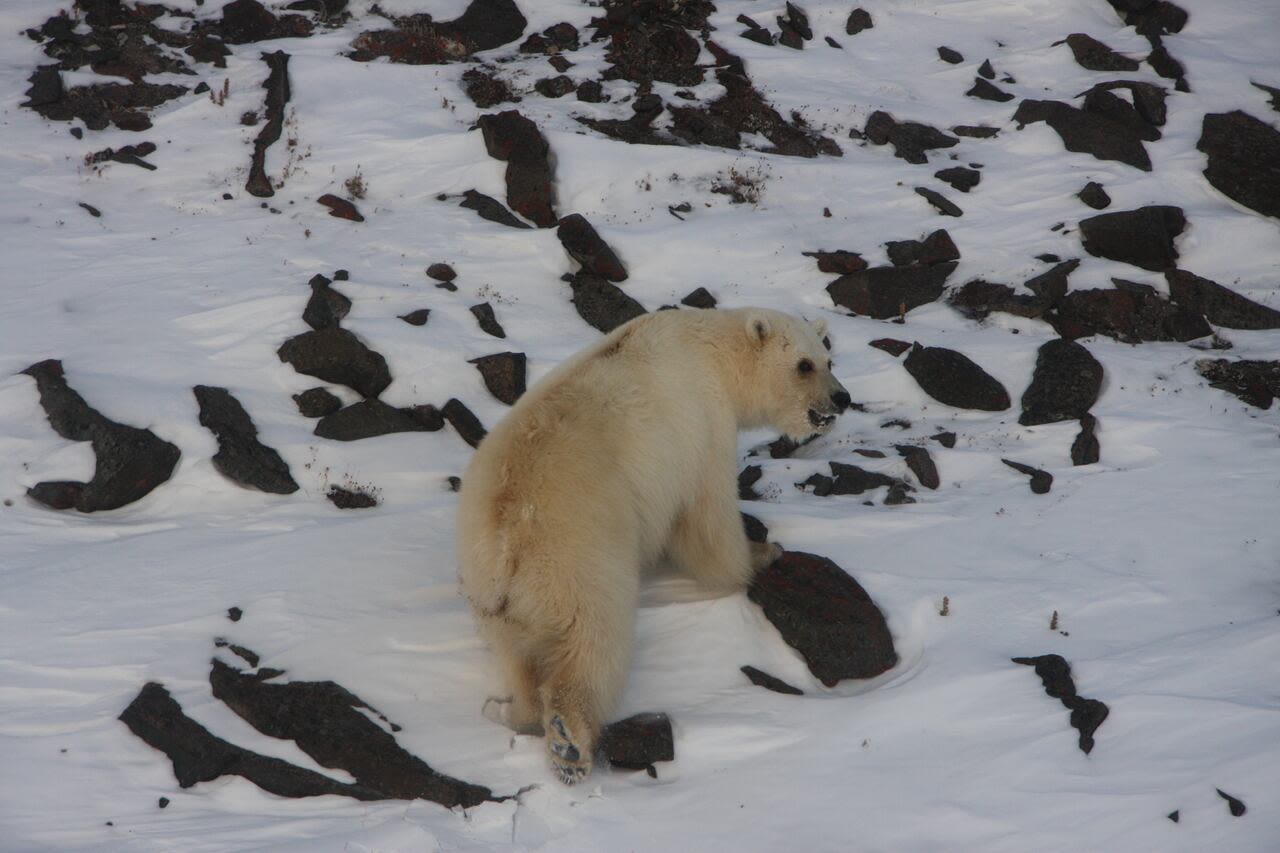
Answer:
(624, 453)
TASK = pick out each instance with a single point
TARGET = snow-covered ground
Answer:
(1161, 560)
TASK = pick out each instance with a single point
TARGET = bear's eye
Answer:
(805, 366)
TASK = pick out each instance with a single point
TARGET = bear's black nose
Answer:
(842, 400)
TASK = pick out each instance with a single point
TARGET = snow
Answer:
(1160, 559)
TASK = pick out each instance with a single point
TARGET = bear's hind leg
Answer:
(585, 681)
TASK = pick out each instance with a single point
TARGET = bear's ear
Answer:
(819, 326)
(758, 327)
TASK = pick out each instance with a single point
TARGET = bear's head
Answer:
(789, 383)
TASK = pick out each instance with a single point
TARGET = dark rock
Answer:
(869, 453)
(466, 424)
(898, 494)
(1055, 674)
(93, 211)
(889, 345)
(755, 529)
(1163, 63)
(986, 71)
(553, 40)
(959, 177)
(839, 262)
(241, 458)
(826, 616)
(1064, 386)
(939, 201)
(234, 613)
(590, 92)
(1096, 56)
(1236, 807)
(417, 318)
(1273, 92)
(886, 292)
(747, 478)
(1095, 196)
(514, 139)
(199, 756)
(946, 439)
(742, 109)
(586, 247)
(948, 55)
(1087, 132)
(909, 139)
(337, 356)
(316, 403)
(820, 483)
(1102, 102)
(1148, 99)
(486, 89)
(1219, 305)
(326, 722)
(798, 21)
(278, 94)
(1126, 314)
(975, 131)
(103, 104)
(503, 374)
(978, 298)
(859, 20)
(350, 498)
(488, 321)
(326, 307)
(988, 91)
(1255, 382)
(637, 742)
(129, 462)
(950, 377)
(129, 154)
(441, 272)
(1142, 237)
(491, 209)
(651, 41)
(699, 298)
(57, 494)
(1041, 481)
(921, 464)
(417, 40)
(937, 248)
(1085, 449)
(603, 305)
(854, 480)
(555, 87)
(1152, 19)
(455, 484)
(370, 418)
(248, 21)
(1244, 159)
(1051, 285)
(340, 207)
(769, 682)
(1173, 815)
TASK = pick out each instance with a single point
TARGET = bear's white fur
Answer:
(624, 453)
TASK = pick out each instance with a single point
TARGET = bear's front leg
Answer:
(708, 541)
